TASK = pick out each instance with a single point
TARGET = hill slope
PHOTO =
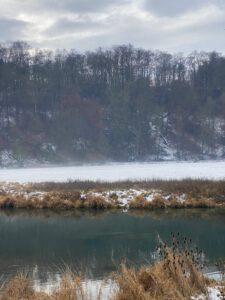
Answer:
(119, 104)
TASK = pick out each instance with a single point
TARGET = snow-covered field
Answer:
(118, 171)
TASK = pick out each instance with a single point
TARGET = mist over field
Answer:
(115, 172)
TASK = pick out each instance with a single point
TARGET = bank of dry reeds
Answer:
(159, 202)
(71, 288)
(176, 275)
(60, 201)
(92, 195)
(57, 201)
(193, 187)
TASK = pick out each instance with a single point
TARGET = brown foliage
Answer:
(176, 277)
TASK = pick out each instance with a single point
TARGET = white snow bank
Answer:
(94, 289)
(118, 171)
(106, 289)
(125, 196)
(213, 294)
(19, 190)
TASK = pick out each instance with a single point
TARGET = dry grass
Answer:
(141, 203)
(159, 203)
(138, 203)
(71, 288)
(95, 202)
(68, 196)
(164, 281)
(18, 288)
(200, 203)
(66, 201)
(55, 200)
(194, 188)
(177, 277)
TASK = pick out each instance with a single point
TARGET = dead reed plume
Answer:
(177, 276)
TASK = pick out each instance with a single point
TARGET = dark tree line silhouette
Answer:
(121, 103)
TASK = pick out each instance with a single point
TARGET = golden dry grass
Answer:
(176, 276)
(61, 201)
(193, 187)
(159, 203)
(54, 200)
(71, 288)
(67, 196)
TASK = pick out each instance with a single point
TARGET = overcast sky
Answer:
(171, 25)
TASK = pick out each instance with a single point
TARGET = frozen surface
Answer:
(118, 171)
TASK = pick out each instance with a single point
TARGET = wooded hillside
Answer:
(119, 104)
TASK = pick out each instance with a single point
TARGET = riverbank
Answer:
(126, 195)
(176, 274)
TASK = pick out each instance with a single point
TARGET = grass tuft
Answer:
(176, 276)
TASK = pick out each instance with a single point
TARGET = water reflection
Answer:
(43, 243)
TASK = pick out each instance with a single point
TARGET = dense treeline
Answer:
(117, 104)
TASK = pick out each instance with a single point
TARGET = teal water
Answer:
(43, 243)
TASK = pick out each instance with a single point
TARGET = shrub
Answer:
(176, 276)
(138, 202)
(174, 203)
(96, 202)
(7, 202)
(18, 288)
(157, 202)
(200, 203)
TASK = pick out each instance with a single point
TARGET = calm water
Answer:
(44, 243)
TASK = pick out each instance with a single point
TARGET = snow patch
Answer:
(124, 197)
(213, 294)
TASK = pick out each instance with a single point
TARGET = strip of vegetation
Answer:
(194, 187)
(119, 195)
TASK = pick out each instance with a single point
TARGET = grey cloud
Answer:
(12, 29)
(67, 26)
(205, 37)
(78, 6)
(121, 29)
(171, 8)
(79, 24)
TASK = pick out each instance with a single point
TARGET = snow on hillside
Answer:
(118, 171)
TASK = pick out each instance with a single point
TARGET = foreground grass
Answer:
(102, 195)
(176, 275)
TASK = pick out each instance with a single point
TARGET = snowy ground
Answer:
(101, 289)
(94, 289)
(118, 171)
(213, 294)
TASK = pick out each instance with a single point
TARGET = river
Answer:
(45, 243)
